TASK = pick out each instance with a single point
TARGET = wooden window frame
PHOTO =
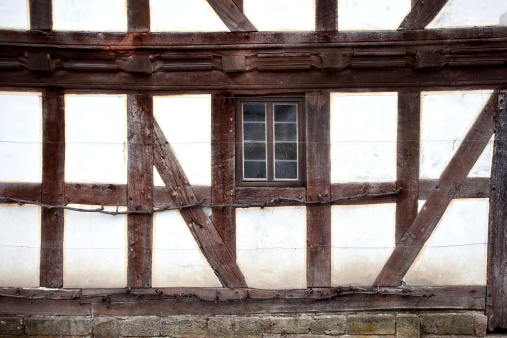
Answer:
(271, 181)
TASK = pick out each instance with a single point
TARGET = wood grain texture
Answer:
(140, 189)
(232, 16)
(326, 15)
(41, 15)
(496, 307)
(222, 166)
(52, 190)
(270, 196)
(22, 191)
(450, 181)
(422, 13)
(96, 194)
(206, 235)
(318, 188)
(363, 193)
(409, 126)
(472, 187)
(138, 15)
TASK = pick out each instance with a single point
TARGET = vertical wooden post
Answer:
(318, 174)
(41, 15)
(52, 190)
(496, 306)
(409, 125)
(138, 15)
(140, 189)
(222, 164)
(326, 15)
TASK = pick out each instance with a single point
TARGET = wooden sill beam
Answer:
(422, 13)
(232, 15)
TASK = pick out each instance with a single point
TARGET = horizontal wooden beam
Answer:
(363, 193)
(472, 187)
(221, 301)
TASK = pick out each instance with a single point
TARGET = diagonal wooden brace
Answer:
(422, 13)
(449, 184)
(232, 16)
(216, 252)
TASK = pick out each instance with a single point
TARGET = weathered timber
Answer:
(496, 307)
(422, 13)
(318, 188)
(449, 183)
(409, 125)
(140, 189)
(41, 15)
(472, 187)
(271, 196)
(23, 191)
(363, 193)
(206, 235)
(326, 15)
(52, 190)
(222, 164)
(138, 15)
(205, 301)
(232, 16)
(161, 199)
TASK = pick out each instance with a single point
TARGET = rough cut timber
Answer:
(422, 13)
(326, 15)
(140, 189)
(232, 16)
(41, 15)
(138, 13)
(218, 255)
(450, 181)
(496, 306)
(52, 190)
(318, 188)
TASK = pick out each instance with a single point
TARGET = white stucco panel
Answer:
(19, 246)
(372, 14)
(456, 252)
(184, 16)
(177, 259)
(281, 15)
(471, 13)
(186, 123)
(95, 249)
(90, 15)
(362, 239)
(271, 247)
(446, 118)
(20, 137)
(96, 135)
(363, 137)
(14, 14)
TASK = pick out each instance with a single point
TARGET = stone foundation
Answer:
(370, 325)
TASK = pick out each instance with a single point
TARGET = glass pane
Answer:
(255, 151)
(254, 112)
(285, 113)
(286, 169)
(285, 132)
(254, 131)
(254, 169)
(286, 151)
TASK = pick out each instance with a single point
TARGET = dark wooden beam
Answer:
(239, 3)
(449, 184)
(206, 235)
(222, 164)
(232, 16)
(472, 187)
(140, 189)
(363, 193)
(326, 15)
(22, 191)
(52, 190)
(138, 14)
(318, 188)
(41, 15)
(422, 13)
(496, 306)
(409, 126)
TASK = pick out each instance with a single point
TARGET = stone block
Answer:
(11, 326)
(370, 324)
(140, 326)
(58, 326)
(106, 327)
(183, 326)
(329, 325)
(408, 326)
(299, 324)
(235, 327)
(447, 324)
(481, 325)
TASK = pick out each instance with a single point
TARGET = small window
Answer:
(270, 148)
